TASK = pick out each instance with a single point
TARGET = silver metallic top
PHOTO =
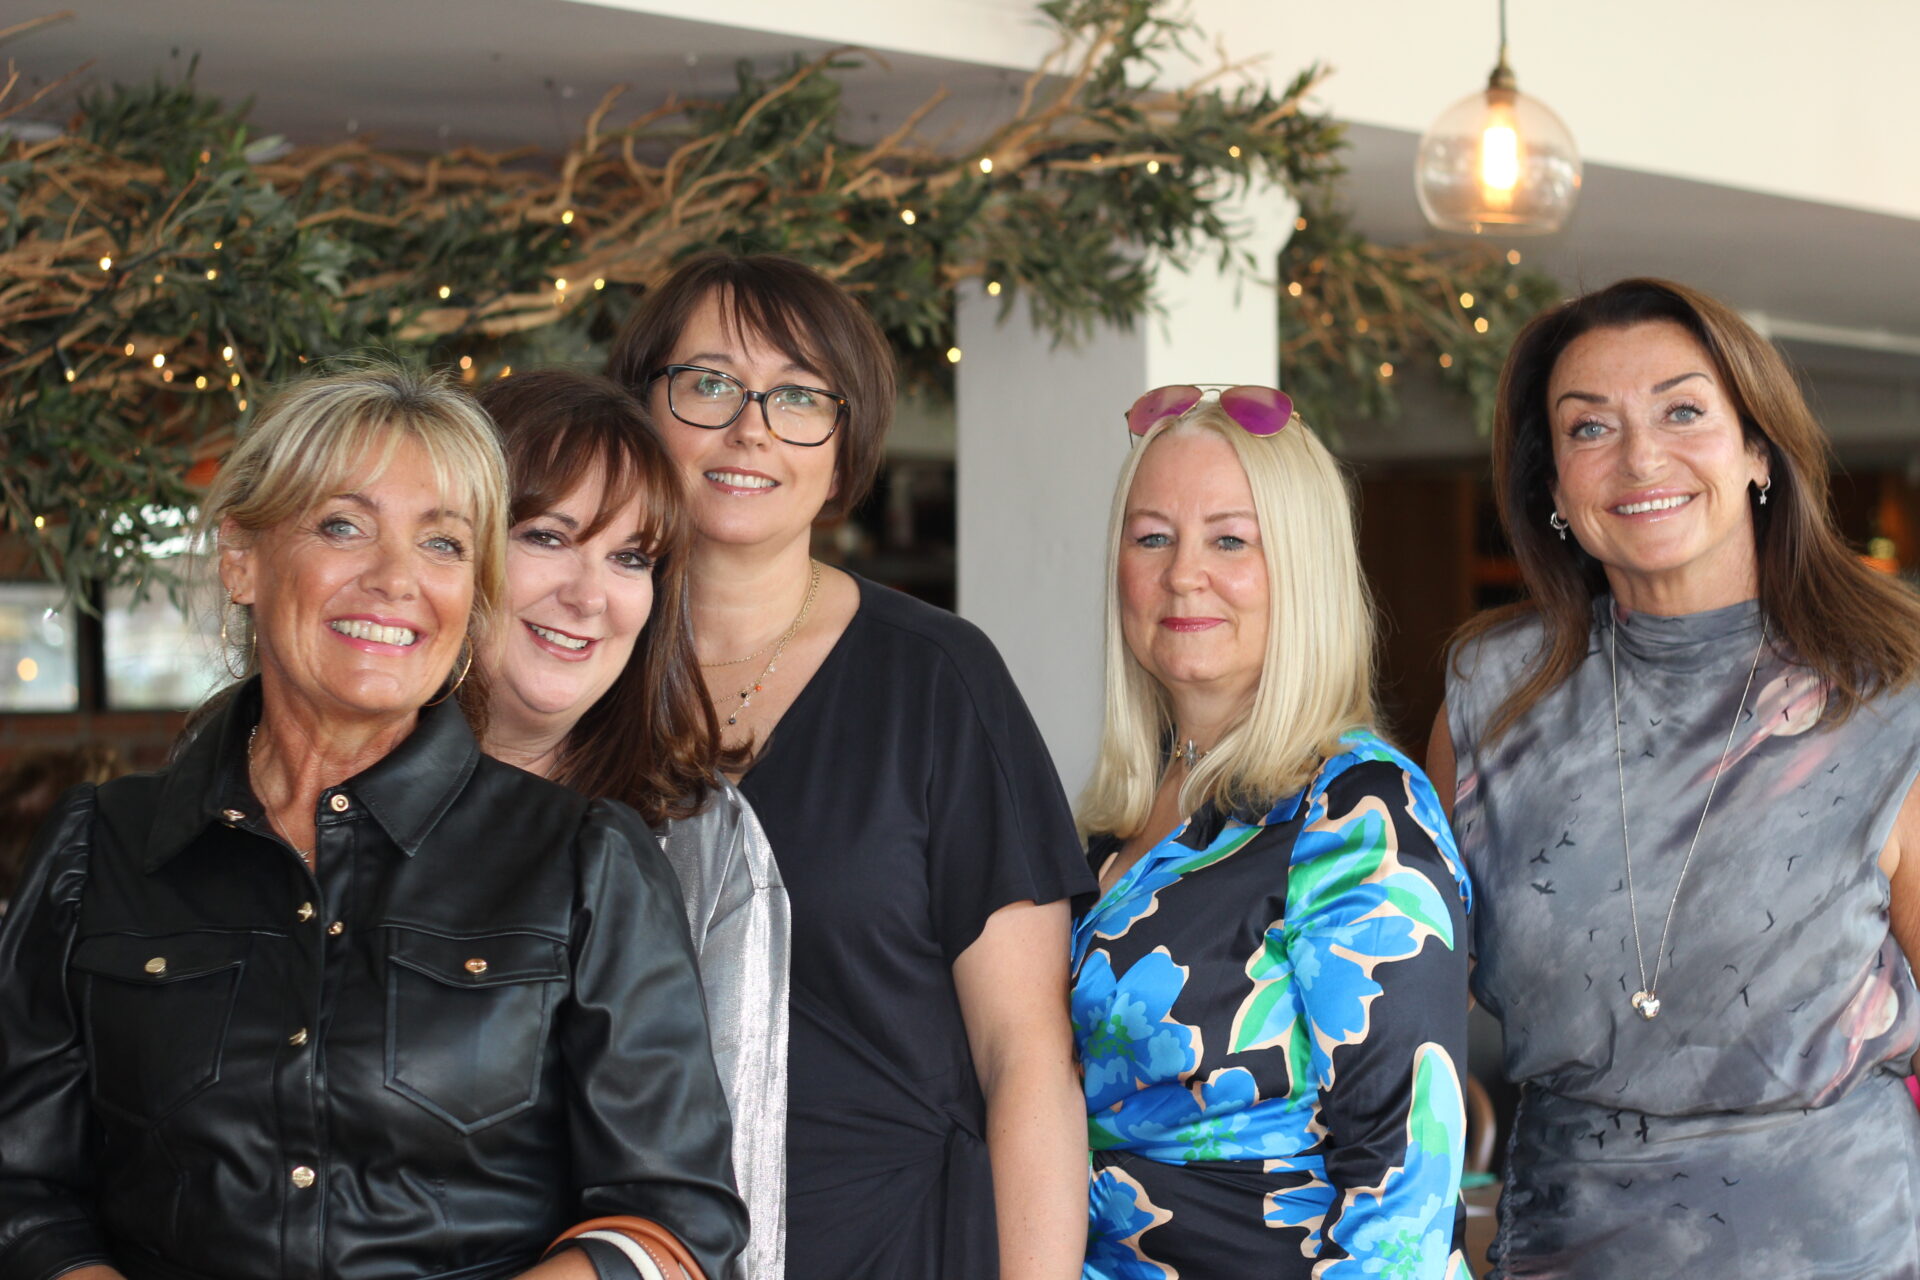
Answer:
(738, 914)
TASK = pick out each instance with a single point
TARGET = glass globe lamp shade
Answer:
(1498, 161)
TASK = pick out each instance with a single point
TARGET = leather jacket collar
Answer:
(407, 791)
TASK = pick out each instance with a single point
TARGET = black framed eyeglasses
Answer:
(710, 399)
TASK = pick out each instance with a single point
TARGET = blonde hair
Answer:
(318, 434)
(1316, 679)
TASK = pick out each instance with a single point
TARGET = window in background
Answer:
(39, 649)
(159, 656)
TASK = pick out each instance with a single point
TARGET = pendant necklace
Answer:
(1646, 1000)
(1186, 753)
(306, 855)
(779, 647)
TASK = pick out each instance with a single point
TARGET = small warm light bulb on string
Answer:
(953, 355)
(159, 361)
(561, 284)
(993, 288)
(1386, 370)
(1153, 166)
(986, 164)
(71, 375)
(166, 375)
(243, 404)
(1299, 224)
(216, 246)
(200, 382)
(1513, 257)
(233, 379)
(39, 522)
(128, 348)
(159, 277)
(1466, 300)
(106, 264)
(506, 371)
(466, 362)
(908, 216)
(599, 283)
(213, 273)
(1361, 325)
(226, 353)
(446, 291)
(1480, 325)
(566, 219)
(1234, 152)
(1446, 361)
(1294, 289)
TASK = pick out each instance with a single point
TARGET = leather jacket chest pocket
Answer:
(155, 1012)
(468, 1020)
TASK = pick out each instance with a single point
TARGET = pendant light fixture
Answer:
(1498, 161)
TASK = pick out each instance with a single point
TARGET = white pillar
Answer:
(1040, 442)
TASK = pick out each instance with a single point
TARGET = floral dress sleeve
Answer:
(1371, 940)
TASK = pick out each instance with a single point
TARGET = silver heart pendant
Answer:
(1648, 1005)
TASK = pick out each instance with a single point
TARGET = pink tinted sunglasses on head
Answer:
(1259, 411)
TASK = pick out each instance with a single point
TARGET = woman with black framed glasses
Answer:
(926, 846)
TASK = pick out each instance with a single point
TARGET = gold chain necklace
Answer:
(779, 647)
(1645, 1000)
(306, 855)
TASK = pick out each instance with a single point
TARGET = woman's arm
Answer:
(648, 1127)
(1901, 861)
(1441, 760)
(47, 1166)
(1012, 984)
(1376, 931)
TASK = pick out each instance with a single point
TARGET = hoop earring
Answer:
(1558, 523)
(226, 645)
(1763, 487)
(466, 667)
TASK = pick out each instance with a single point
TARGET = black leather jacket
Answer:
(479, 1025)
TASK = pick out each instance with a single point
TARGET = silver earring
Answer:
(1764, 486)
(1559, 524)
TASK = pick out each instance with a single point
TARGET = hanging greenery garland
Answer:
(161, 266)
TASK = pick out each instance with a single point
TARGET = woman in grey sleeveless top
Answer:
(1684, 780)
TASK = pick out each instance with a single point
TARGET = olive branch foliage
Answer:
(161, 267)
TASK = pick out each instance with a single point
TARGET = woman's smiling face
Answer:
(1653, 470)
(745, 485)
(360, 604)
(576, 606)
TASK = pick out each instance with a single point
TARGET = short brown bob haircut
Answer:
(800, 313)
(1857, 629)
(651, 741)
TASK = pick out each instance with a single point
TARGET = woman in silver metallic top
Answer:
(593, 683)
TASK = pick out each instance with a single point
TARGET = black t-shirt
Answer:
(907, 795)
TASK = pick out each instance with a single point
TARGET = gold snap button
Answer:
(232, 816)
(336, 929)
(158, 966)
(298, 1038)
(339, 803)
(476, 966)
(302, 1176)
(304, 911)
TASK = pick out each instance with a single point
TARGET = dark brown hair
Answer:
(803, 315)
(651, 741)
(1857, 629)
(28, 789)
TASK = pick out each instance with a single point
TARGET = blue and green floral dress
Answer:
(1271, 1014)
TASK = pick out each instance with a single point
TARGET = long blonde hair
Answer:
(1316, 679)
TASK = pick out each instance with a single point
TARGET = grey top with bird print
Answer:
(1760, 1116)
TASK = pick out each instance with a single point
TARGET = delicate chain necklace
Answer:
(1645, 999)
(779, 647)
(1186, 753)
(306, 855)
